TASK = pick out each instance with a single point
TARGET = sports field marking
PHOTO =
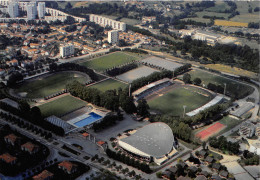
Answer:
(210, 131)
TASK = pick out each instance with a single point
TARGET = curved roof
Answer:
(155, 139)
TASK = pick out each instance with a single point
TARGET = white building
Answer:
(13, 9)
(41, 10)
(113, 36)
(66, 50)
(211, 38)
(31, 11)
(103, 21)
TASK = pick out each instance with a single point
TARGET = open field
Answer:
(198, 19)
(172, 102)
(108, 61)
(61, 106)
(233, 87)
(130, 21)
(246, 18)
(169, 65)
(210, 131)
(49, 84)
(207, 13)
(232, 70)
(219, 6)
(109, 84)
(230, 23)
(139, 72)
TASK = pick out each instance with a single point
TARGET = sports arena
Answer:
(154, 142)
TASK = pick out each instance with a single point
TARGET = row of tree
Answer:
(120, 70)
(129, 161)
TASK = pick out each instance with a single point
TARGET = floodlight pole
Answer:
(130, 90)
(225, 84)
(184, 107)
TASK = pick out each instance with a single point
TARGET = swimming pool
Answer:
(89, 120)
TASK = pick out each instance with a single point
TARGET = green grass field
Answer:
(173, 101)
(48, 85)
(219, 6)
(109, 84)
(233, 87)
(61, 106)
(108, 61)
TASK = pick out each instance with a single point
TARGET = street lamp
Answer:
(184, 107)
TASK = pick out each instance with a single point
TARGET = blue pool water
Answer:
(92, 118)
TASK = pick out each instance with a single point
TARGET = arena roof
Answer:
(155, 139)
(61, 123)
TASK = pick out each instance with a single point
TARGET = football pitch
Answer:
(61, 106)
(233, 87)
(109, 61)
(48, 85)
(109, 84)
(172, 102)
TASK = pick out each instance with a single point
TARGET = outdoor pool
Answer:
(89, 120)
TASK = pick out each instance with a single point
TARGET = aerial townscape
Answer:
(129, 89)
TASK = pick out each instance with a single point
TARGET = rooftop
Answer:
(155, 139)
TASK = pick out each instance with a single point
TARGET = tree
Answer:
(142, 108)
(186, 78)
(197, 81)
(68, 6)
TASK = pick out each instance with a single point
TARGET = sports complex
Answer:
(165, 96)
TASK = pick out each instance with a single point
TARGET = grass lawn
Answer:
(173, 101)
(109, 84)
(47, 85)
(108, 61)
(233, 87)
(61, 106)
(219, 6)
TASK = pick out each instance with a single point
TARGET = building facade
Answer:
(113, 37)
(41, 10)
(103, 21)
(13, 10)
(31, 11)
(66, 50)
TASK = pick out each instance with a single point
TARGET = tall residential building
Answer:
(13, 9)
(66, 50)
(113, 36)
(31, 11)
(41, 10)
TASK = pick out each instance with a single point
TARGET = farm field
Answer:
(172, 102)
(108, 61)
(230, 23)
(198, 19)
(219, 6)
(61, 106)
(246, 18)
(109, 84)
(169, 65)
(139, 72)
(233, 87)
(49, 84)
(209, 13)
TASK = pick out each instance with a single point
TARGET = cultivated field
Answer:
(172, 102)
(230, 23)
(233, 87)
(210, 131)
(169, 65)
(61, 105)
(109, 84)
(109, 61)
(219, 6)
(132, 75)
(49, 84)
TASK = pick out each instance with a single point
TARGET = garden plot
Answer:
(132, 75)
(169, 65)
